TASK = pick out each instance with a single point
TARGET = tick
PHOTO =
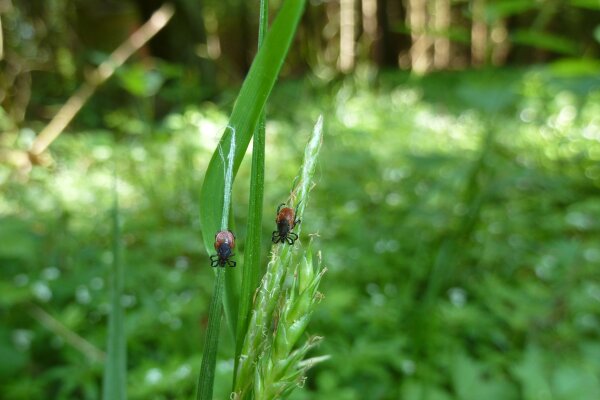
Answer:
(286, 221)
(224, 244)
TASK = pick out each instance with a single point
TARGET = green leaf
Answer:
(139, 81)
(546, 41)
(114, 385)
(506, 8)
(252, 271)
(473, 380)
(532, 374)
(455, 34)
(589, 4)
(17, 240)
(575, 67)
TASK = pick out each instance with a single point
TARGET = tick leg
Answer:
(291, 237)
(275, 237)
(296, 222)
(231, 263)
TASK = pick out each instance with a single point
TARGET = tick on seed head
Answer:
(286, 221)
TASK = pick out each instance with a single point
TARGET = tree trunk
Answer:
(499, 39)
(419, 51)
(385, 48)
(369, 26)
(347, 43)
(479, 32)
(441, 45)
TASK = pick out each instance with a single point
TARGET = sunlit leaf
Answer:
(589, 4)
(501, 9)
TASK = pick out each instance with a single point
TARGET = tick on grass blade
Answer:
(224, 244)
(286, 221)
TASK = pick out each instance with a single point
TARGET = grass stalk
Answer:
(211, 344)
(251, 270)
(114, 386)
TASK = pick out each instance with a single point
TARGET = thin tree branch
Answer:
(65, 115)
(72, 338)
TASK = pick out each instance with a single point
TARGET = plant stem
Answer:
(251, 271)
(114, 385)
(207, 370)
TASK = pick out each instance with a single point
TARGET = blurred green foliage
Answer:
(457, 215)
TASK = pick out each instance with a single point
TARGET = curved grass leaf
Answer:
(211, 344)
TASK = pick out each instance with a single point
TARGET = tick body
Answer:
(286, 221)
(224, 244)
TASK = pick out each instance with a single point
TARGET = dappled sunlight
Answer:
(205, 126)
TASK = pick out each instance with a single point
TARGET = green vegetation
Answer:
(457, 214)
(449, 248)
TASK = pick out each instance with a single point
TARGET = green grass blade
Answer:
(211, 343)
(263, 22)
(251, 271)
(209, 359)
(231, 289)
(114, 386)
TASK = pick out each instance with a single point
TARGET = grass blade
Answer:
(211, 343)
(114, 386)
(251, 270)
(209, 359)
